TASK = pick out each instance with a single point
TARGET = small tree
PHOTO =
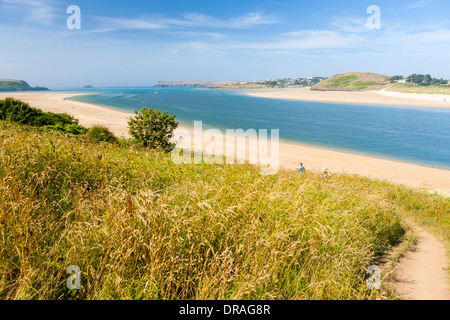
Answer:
(396, 78)
(153, 129)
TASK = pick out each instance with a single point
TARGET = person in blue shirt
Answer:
(301, 169)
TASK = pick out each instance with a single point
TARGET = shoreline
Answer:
(384, 98)
(313, 158)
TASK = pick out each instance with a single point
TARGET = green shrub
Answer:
(100, 133)
(70, 128)
(12, 110)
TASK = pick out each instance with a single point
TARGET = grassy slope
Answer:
(140, 227)
(358, 81)
(353, 81)
(17, 85)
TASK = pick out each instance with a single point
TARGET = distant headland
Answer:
(7, 85)
(351, 81)
(260, 84)
(191, 84)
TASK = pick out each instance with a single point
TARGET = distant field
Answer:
(414, 88)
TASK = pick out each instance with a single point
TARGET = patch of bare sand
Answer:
(359, 97)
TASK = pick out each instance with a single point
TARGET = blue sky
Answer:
(136, 42)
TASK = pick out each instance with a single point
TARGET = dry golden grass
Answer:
(141, 227)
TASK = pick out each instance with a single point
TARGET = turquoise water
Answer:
(411, 134)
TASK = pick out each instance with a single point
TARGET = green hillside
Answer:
(7, 85)
(353, 81)
(357, 81)
(140, 227)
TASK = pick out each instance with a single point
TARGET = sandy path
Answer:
(421, 273)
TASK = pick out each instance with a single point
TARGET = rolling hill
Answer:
(353, 81)
(17, 85)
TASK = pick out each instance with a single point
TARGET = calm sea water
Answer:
(416, 135)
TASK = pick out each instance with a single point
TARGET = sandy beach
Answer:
(360, 97)
(289, 154)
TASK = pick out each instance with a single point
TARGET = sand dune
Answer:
(289, 154)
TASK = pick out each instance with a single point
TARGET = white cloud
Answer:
(201, 20)
(287, 43)
(420, 4)
(345, 24)
(32, 11)
(317, 39)
(430, 42)
(438, 36)
(253, 18)
(111, 24)
(344, 36)
(190, 20)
